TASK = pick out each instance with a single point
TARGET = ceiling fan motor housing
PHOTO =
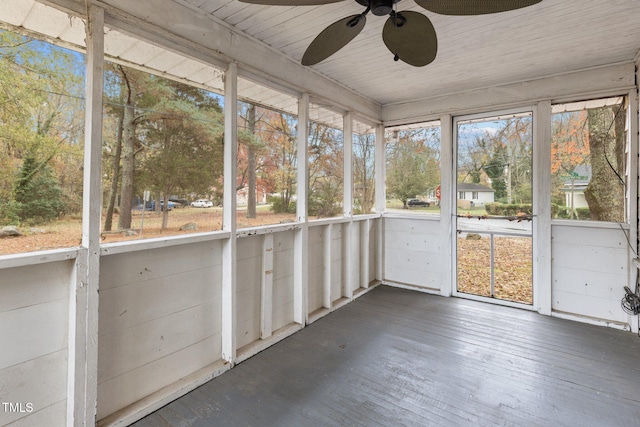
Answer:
(381, 7)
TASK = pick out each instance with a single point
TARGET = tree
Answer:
(326, 170)
(249, 146)
(495, 170)
(184, 144)
(605, 191)
(37, 193)
(364, 172)
(41, 122)
(279, 157)
(502, 155)
(113, 150)
(134, 85)
(412, 165)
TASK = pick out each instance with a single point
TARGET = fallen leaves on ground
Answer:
(513, 262)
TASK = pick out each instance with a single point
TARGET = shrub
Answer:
(325, 201)
(581, 213)
(10, 213)
(276, 205)
(501, 209)
(38, 193)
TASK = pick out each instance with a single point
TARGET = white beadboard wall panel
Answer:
(589, 267)
(413, 277)
(38, 327)
(41, 381)
(355, 256)
(373, 251)
(123, 351)
(249, 283)
(283, 314)
(594, 284)
(126, 306)
(51, 415)
(248, 289)
(283, 279)
(34, 326)
(33, 331)
(121, 391)
(34, 284)
(249, 270)
(600, 309)
(136, 267)
(282, 264)
(248, 248)
(157, 304)
(336, 262)
(248, 314)
(316, 268)
(411, 259)
(413, 253)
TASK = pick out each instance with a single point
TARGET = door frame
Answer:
(541, 199)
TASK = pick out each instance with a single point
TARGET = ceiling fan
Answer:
(409, 36)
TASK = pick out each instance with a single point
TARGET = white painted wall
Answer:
(590, 265)
(282, 298)
(316, 268)
(414, 252)
(248, 295)
(34, 330)
(338, 268)
(589, 268)
(159, 320)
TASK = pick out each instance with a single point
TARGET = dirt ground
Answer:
(68, 232)
(513, 261)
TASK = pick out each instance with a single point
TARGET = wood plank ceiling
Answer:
(552, 37)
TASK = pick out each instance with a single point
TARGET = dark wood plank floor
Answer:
(396, 357)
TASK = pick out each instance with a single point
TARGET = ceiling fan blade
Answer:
(291, 2)
(411, 37)
(333, 38)
(473, 7)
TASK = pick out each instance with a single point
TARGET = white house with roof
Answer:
(477, 194)
(575, 185)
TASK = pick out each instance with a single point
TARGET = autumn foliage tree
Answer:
(591, 141)
(184, 145)
(41, 118)
(165, 137)
(326, 170)
(412, 164)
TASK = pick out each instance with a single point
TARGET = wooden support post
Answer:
(301, 237)
(348, 165)
(347, 289)
(229, 214)
(380, 188)
(326, 283)
(381, 199)
(447, 200)
(542, 207)
(82, 384)
(633, 119)
(364, 253)
(266, 302)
